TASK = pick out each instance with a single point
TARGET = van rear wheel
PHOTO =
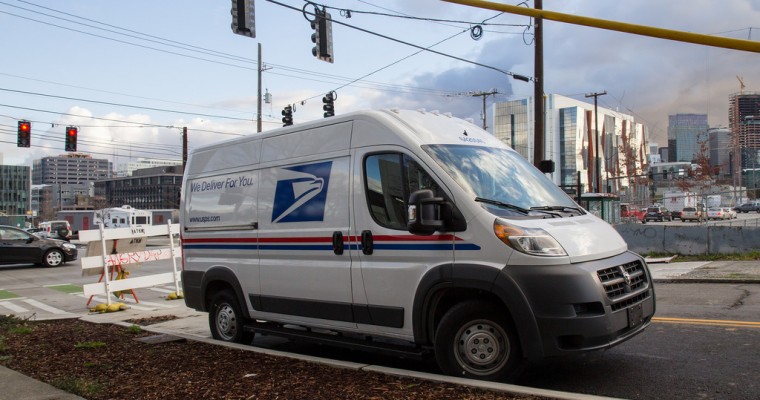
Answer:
(226, 319)
(476, 340)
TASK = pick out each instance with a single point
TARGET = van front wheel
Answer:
(476, 340)
(226, 319)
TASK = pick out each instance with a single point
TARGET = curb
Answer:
(707, 280)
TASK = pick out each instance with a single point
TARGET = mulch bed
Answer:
(103, 361)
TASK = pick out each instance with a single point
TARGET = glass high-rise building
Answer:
(685, 131)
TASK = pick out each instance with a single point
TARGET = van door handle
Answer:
(337, 242)
(367, 243)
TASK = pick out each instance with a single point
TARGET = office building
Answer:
(126, 169)
(685, 131)
(70, 168)
(571, 141)
(720, 151)
(14, 194)
(147, 189)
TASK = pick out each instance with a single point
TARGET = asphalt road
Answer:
(703, 343)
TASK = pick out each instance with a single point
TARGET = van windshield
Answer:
(500, 176)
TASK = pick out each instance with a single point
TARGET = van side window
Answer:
(390, 179)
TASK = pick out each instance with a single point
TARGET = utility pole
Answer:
(596, 141)
(184, 147)
(484, 95)
(538, 88)
(258, 98)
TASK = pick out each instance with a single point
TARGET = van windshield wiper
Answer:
(559, 208)
(503, 205)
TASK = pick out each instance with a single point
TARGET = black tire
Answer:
(226, 320)
(52, 258)
(476, 340)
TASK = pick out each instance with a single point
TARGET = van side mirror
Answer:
(427, 214)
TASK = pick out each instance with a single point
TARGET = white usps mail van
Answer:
(413, 227)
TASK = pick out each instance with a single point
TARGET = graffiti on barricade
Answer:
(638, 231)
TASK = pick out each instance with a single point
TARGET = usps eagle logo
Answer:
(301, 193)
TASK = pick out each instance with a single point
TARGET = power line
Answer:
(119, 93)
(116, 120)
(189, 47)
(121, 105)
(347, 12)
(405, 43)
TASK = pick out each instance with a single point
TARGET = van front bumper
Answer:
(586, 306)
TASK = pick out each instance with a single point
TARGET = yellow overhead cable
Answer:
(708, 40)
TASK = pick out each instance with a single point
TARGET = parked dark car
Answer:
(658, 213)
(19, 247)
(747, 207)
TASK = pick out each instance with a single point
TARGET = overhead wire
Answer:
(189, 47)
(509, 73)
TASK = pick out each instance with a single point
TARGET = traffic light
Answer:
(322, 36)
(243, 19)
(24, 134)
(287, 116)
(329, 106)
(71, 138)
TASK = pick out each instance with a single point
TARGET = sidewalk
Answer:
(705, 271)
(193, 325)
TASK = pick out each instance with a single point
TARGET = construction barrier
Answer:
(115, 253)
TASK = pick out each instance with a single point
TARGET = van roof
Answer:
(408, 127)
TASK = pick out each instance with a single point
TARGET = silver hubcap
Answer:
(54, 258)
(482, 347)
(226, 322)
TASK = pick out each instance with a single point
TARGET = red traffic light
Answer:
(71, 138)
(24, 133)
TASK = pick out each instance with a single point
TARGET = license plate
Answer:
(635, 315)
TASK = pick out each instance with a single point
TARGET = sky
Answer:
(130, 75)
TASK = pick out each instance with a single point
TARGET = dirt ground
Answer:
(103, 361)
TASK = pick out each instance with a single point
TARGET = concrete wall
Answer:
(690, 240)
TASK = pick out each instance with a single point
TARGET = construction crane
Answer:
(741, 84)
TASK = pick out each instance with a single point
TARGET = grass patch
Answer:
(67, 288)
(134, 329)
(80, 387)
(10, 324)
(89, 345)
(4, 295)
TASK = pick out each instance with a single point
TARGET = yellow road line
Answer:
(710, 322)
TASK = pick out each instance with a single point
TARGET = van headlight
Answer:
(533, 241)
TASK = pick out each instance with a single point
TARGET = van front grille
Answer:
(625, 284)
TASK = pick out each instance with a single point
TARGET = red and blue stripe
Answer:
(380, 242)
